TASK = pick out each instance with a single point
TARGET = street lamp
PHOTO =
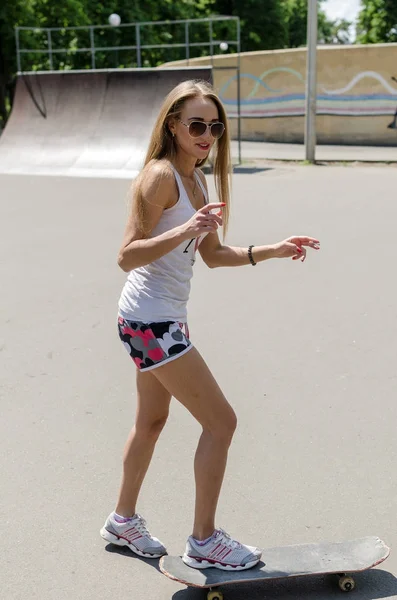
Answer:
(311, 82)
(114, 20)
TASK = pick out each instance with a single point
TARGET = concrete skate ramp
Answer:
(86, 122)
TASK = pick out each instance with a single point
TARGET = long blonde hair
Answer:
(162, 145)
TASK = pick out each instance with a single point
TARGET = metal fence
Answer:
(211, 43)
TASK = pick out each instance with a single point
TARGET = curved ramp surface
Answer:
(86, 122)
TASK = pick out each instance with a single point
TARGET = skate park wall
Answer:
(356, 93)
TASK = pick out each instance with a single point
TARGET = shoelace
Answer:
(228, 541)
(140, 524)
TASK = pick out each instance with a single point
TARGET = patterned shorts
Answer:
(153, 344)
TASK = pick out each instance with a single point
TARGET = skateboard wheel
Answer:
(214, 596)
(346, 583)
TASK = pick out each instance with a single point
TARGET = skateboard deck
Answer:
(340, 558)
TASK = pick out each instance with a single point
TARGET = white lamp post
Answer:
(311, 82)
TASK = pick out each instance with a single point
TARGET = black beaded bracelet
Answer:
(253, 263)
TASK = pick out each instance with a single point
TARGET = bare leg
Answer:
(153, 402)
(190, 381)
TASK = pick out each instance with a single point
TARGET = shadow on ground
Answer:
(241, 169)
(127, 553)
(250, 170)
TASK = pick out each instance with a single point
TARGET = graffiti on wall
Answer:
(261, 99)
(393, 124)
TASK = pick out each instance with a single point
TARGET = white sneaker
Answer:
(134, 535)
(221, 552)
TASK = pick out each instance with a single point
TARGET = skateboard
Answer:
(341, 559)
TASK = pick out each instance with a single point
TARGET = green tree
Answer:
(377, 22)
(296, 22)
(329, 32)
(335, 32)
(12, 12)
(138, 12)
(263, 23)
(49, 14)
(33, 13)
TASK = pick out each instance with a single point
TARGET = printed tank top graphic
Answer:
(192, 246)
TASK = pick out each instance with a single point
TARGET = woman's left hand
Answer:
(301, 241)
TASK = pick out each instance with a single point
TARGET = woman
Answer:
(170, 220)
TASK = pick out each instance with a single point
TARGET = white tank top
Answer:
(160, 290)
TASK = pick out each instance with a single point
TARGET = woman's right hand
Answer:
(203, 221)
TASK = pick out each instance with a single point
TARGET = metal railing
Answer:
(137, 46)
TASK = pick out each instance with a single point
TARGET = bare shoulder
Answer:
(153, 190)
(159, 168)
(158, 182)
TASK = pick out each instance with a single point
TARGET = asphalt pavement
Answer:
(306, 354)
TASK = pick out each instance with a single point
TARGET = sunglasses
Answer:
(199, 128)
